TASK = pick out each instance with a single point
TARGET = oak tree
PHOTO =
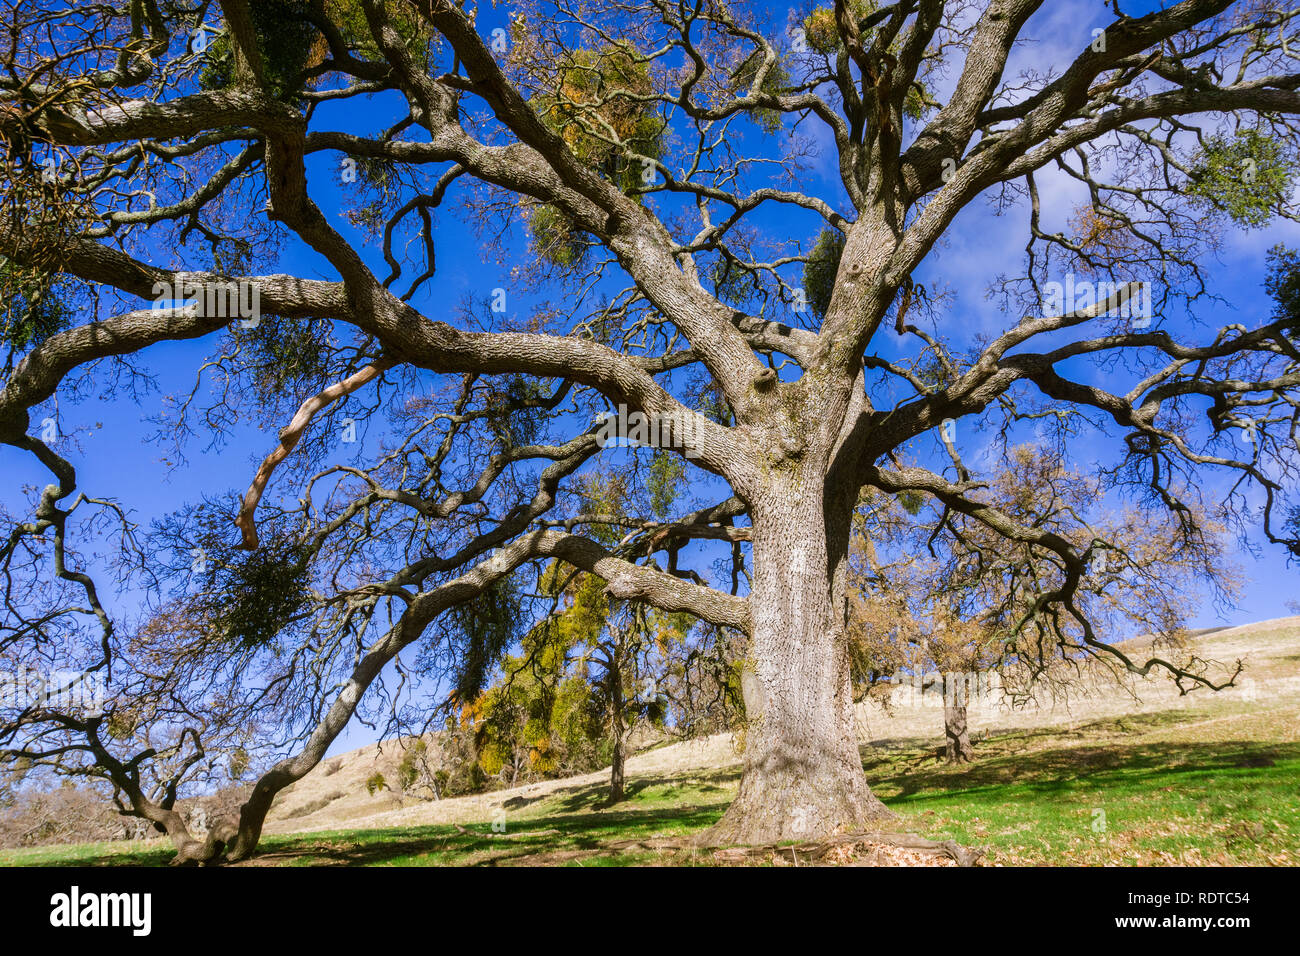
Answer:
(940, 602)
(164, 157)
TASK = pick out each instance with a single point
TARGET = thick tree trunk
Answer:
(803, 775)
(619, 729)
(252, 815)
(958, 748)
(616, 770)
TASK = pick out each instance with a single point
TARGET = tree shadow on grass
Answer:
(639, 789)
(921, 752)
(154, 856)
(1072, 768)
(528, 842)
(580, 834)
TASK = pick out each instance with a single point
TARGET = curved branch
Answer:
(289, 437)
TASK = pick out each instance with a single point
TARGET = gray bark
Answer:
(616, 773)
(803, 776)
(617, 765)
(958, 747)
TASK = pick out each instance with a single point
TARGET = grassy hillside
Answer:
(1105, 779)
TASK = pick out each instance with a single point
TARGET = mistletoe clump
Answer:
(1246, 176)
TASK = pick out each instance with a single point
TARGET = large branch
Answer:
(405, 333)
(947, 135)
(289, 437)
(641, 242)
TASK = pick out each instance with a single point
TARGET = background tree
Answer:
(940, 601)
(940, 655)
(142, 162)
(592, 669)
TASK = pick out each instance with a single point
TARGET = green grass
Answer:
(656, 808)
(1222, 802)
(1175, 787)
